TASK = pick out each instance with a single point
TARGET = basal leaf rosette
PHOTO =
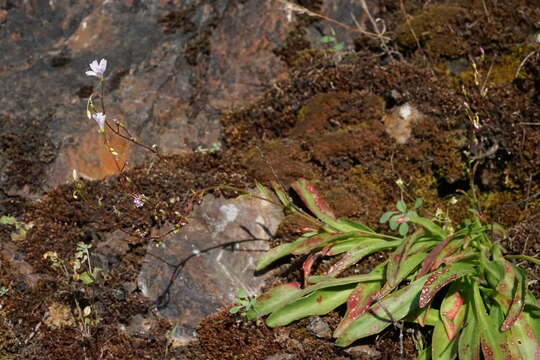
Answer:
(458, 282)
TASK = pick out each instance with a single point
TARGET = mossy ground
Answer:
(323, 123)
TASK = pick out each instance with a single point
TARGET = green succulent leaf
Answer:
(440, 278)
(318, 303)
(398, 304)
(403, 229)
(429, 226)
(314, 201)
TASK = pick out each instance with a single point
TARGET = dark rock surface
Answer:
(198, 270)
(174, 67)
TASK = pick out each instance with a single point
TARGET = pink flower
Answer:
(100, 119)
(97, 69)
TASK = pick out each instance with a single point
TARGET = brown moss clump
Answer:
(435, 28)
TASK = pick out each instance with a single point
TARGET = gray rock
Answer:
(198, 270)
(363, 352)
(319, 328)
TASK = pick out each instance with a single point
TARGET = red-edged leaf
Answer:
(369, 247)
(440, 278)
(397, 257)
(313, 200)
(429, 262)
(308, 263)
(452, 311)
(358, 302)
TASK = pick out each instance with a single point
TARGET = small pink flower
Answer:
(97, 69)
(100, 119)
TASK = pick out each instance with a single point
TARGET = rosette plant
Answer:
(456, 279)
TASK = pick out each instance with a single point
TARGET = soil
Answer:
(327, 122)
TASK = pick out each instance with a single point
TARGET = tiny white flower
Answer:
(138, 200)
(75, 175)
(98, 69)
(100, 119)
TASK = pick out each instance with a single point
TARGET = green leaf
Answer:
(358, 302)
(492, 340)
(443, 348)
(338, 47)
(418, 203)
(319, 302)
(280, 251)
(314, 201)
(349, 225)
(453, 310)
(440, 278)
(469, 339)
(234, 309)
(86, 278)
(354, 256)
(241, 293)
(393, 222)
(376, 319)
(395, 269)
(318, 241)
(327, 39)
(386, 216)
(403, 229)
(401, 206)
(281, 194)
(274, 299)
(429, 226)
(355, 243)
(524, 335)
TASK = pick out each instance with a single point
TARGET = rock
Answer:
(363, 352)
(198, 270)
(398, 123)
(10, 254)
(196, 59)
(319, 328)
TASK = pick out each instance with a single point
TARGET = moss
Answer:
(434, 28)
(503, 70)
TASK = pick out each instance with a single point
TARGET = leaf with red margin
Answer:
(399, 304)
(492, 340)
(453, 309)
(371, 246)
(395, 269)
(511, 290)
(469, 338)
(359, 301)
(434, 258)
(440, 278)
(313, 200)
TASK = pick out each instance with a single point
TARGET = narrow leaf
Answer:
(376, 319)
(429, 226)
(319, 302)
(274, 299)
(442, 347)
(438, 279)
(453, 310)
(313, 201)
(354, 256)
